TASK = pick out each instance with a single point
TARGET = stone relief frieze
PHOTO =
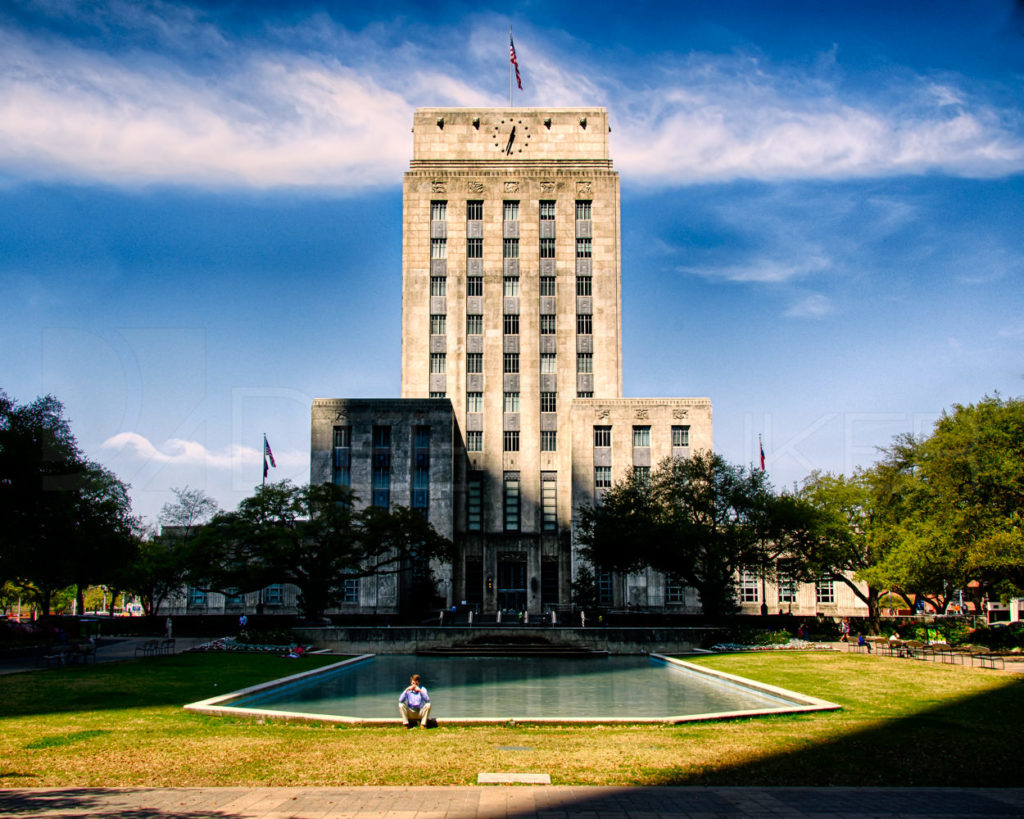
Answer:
(475, 188)
(438, 187)
(584, 188)
(511, 187)
(680, 414)
(547, 187)
(602, 414)
(641, 414)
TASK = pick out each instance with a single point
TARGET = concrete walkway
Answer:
(119, 649)
(506, 802)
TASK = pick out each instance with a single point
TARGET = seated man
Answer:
(414, 703)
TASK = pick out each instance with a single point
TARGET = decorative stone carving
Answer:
(439, 187)
(680, 414)
(602, 414)
(476, 188)
(641, 414)
(511, 187)
(584, 188)
(340, 416)
(547, 187)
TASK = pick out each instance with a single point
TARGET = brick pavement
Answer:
(508, 802)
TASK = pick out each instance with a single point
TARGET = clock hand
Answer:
(511, 139)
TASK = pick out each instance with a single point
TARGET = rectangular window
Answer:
(584, 324)
(641, 436)
(548, 501)
(511, 363)
(584, 362)
(583, 207)
(438, 362)
(602, 477)
(474, 324)
(547, 210)
(547, 324)
(474, 210)
(421, 437)
(825, 591)
(438, 286)
(196, 597)
(674, 591)
(474, 248)
(547, 248)
(438, 211)
(642, 474)
(548, 402)
(787, 589)
(381, 487)
(474, 441)
(583, 249)
(382, 437)
(584, 286)
(510, 212)
(750, 591)
(510, 440)
(438, 248)
(511, 501)
(681, 436)
(350, 591)
(510, 286)
(602, 436)
(511, 324)
(548, 363)
(511, 402)
(342, 458)
(438, 324)
(584, 393)
(510, 249)
(475, 286)
(547, 285)
(548, 440)
(272, 594)
(474, 402)
(604, 587)
(474, 363)
(342, 437)
(434, 394)
(475, 504)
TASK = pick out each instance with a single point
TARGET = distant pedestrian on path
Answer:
(414, 703)
(844, 630)
(168, 628)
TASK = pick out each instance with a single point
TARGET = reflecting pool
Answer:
(618, 687)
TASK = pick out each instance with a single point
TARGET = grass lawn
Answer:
(904, 723)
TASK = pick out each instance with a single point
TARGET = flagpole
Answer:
(510, 70)
(264, 453)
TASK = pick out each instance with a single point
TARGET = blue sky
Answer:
(200, 212)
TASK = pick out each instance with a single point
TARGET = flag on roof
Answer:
(512, 58)
(267, 454)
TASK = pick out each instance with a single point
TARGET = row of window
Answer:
(380, 479)
(509, 210)
(750, 589)
(510, 366)
(510, 440)
(511, 502)
(510, 286)
(509, 248)
(642, 436)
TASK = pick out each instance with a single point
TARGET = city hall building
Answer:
(512, 415)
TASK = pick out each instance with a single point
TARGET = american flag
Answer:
(267, 453)
(512, 59)
(761, 447)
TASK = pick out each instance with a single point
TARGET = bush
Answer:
(754, 637)
(999, 638)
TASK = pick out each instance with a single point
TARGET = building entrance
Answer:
(512, 585)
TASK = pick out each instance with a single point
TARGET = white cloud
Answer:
(762, 270)
(179, 452)
(813, 306)
(316, 105)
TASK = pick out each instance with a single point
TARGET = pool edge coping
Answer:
(214, 706)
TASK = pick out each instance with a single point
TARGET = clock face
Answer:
(511, 137)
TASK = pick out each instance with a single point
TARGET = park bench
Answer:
(147, 649)
(947, 654)
(166, 646)
(984, 658)
(55, 655)
(83, 653)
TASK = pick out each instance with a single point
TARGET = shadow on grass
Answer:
(147, 683)
(971, 742)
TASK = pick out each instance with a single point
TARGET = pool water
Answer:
(513, 688)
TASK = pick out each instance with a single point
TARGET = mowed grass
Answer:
(903, 723)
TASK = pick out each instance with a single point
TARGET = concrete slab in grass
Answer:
(513, 779)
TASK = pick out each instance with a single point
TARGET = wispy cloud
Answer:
(762, 270)
(179, 452)
(316, 105)
(813, 306)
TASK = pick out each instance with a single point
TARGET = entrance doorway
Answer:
(512, 585)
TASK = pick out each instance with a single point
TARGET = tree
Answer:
(692, 519)
(313, 537)
(66, 520)
(191, 509)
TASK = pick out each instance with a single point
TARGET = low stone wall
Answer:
(410, 639)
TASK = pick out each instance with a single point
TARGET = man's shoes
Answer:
(407, 724)
(423, 725)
